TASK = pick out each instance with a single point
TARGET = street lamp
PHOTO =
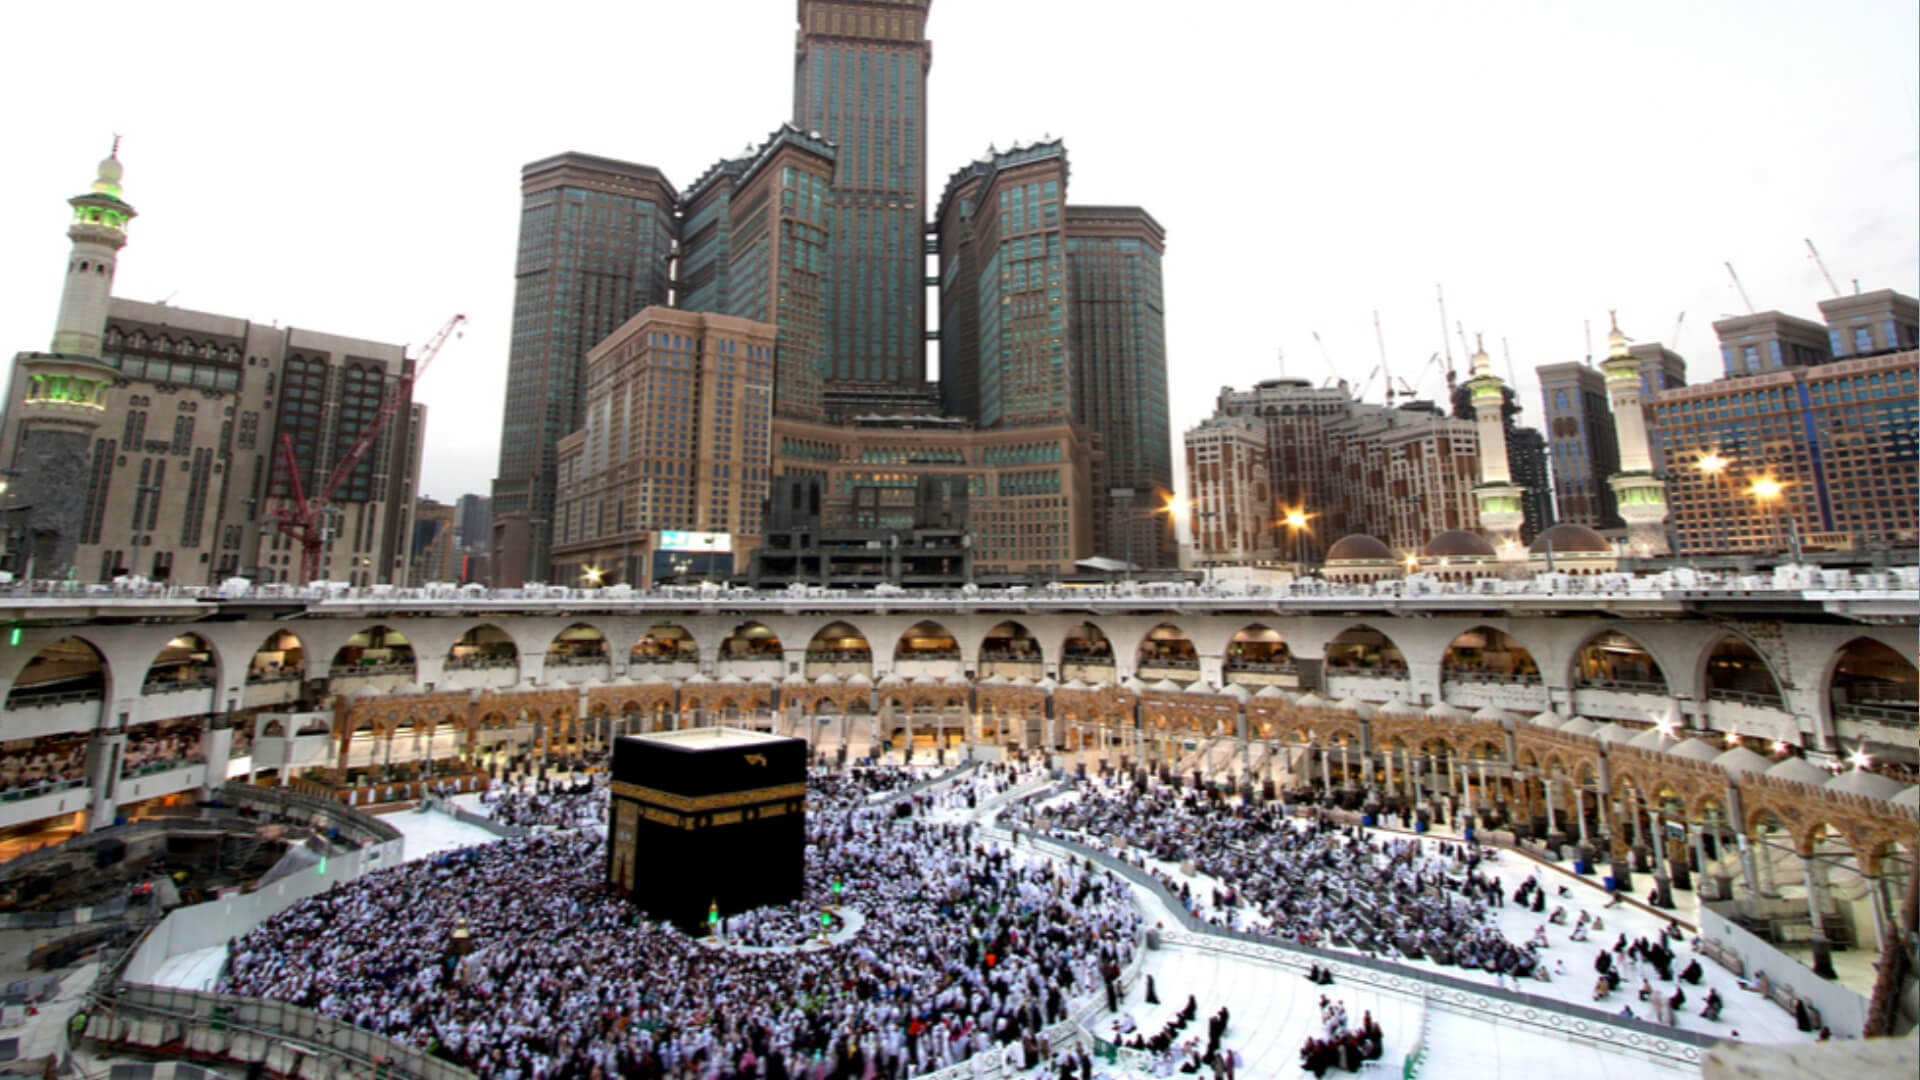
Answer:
(1767, 489)
(1296, 523)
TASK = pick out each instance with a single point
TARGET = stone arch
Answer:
(1086, 646)
(1009, 642)
(483, 646)
(70, 669)
(1362, 648)
(926, 640)
(1614, 659)
(1733, 668)
(1169, 647)
(839, 645)
(751, 640)
(665, 643)
(1257, 649)
(1487, 653)
(580, 643)
(1867, 679)
(186, 661)
(379, 650)
(281, 655)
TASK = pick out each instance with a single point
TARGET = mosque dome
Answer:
(1569, 538)
(1457, 543)
(1357, 547)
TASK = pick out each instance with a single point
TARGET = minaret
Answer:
(66, 389)
(98, 232)
(1640, 494)
(1499, 498)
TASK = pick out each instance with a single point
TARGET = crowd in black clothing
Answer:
(1343, 1047)
(966, 945)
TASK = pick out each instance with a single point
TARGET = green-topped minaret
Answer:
(98, 232)
(1640, 492)
(1498, 497)
(67, 386)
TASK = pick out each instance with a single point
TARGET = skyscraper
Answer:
(1050, 312)
(756, 246)
(859, 79)
(596, 244)
(1117, 317)
(1580, 438)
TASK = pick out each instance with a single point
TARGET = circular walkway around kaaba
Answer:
(962, 945)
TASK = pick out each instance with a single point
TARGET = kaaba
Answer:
(705, 817)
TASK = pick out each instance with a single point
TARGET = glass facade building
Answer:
(596, 244)
(860, 77)
(1582, 444)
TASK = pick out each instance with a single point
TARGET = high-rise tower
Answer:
(860, 79)
(1638, 491)
(67, 388)
(1118, 352)
(1499, 499)
(596, 244)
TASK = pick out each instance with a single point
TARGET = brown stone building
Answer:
(1233, 509)
(676, 438)
(184, 457)
(1029, 489)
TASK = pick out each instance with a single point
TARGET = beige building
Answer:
(1030, 490)
(1401, 474)
(1233, 509)
(169, 468)
(679, 408)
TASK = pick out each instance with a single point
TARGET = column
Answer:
(1882, 916)
(1662, 883)
(1326, 771)
(1700, 856)
(107, 746)
(216, 745)
(1580, 813)
(1388, 755)
(1816, 899)
(1553, 819)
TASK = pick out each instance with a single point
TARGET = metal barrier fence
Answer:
(478, 821)
(287, 1041)
(324, 814)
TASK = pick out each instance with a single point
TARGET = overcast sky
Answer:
(354, 167)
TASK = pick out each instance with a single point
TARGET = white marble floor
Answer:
(433, 832)
(1753, 1017)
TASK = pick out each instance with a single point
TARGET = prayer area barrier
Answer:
(123, 1011)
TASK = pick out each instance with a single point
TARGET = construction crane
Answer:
(1742, 288)
(1822, 264)
(306, 520)
(1676, 329)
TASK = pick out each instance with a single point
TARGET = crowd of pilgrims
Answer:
(567, 801)
(966, 945)
(1303, 881)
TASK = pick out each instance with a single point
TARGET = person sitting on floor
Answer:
(1691, 974)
